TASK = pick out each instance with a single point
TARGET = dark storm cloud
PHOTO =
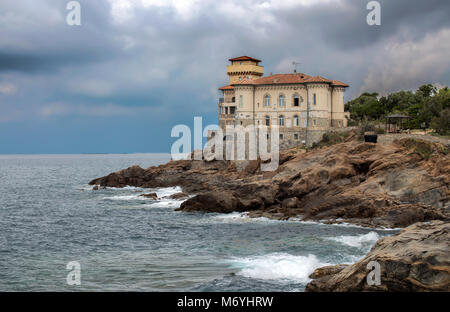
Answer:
(174, 57)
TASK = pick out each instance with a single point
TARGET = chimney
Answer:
(295, 70)
(270, 74)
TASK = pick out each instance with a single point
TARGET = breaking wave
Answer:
(278, 266)
(363, 241)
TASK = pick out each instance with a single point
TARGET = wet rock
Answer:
(150, 195)
(223, 202)
(180, 195)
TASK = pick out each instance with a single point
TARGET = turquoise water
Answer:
(49, 216)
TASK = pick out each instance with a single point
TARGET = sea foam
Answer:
(359, 241)
(278, 266)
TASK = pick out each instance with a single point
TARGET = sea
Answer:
(50, 218)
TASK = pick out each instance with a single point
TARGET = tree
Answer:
(365, 106)
(442, 123)
(427, 90)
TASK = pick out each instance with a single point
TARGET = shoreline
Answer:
(401, 185)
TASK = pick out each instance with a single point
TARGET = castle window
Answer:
(315, 99)
(267, 121)
(296, 121)
(296, 101)
(241, 100)
(281, 136)
(296, 136)
(281, 118)
(281, 100)
(314, 122)
(267, 100)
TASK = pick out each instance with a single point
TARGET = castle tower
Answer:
(244, 67)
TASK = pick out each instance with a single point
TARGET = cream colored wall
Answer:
(338, 105)
(320, 112)
(275, 110)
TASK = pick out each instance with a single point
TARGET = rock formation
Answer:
(416, 259)
(374, 185)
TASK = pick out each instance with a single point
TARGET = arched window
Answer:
(296, 101)
(267, 100)
(267, 121)
(296, 121)
(281, 118)
(281, 100)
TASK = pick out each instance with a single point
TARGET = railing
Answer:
(227, 100)
(221, 116)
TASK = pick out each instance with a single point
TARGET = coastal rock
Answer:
(180, 195)
(150, 195)
(416, 259)
(327, 271)
(223, 202)
(375, 185)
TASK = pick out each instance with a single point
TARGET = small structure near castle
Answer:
(302, 106)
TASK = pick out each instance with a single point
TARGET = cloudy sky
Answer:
(136, 68)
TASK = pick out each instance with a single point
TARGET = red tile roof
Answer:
(226, 88)
(339, 83)
(281, 79)
(244, 58)
(318, 79)
(296, 78)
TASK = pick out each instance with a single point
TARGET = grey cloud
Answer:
(159, 59)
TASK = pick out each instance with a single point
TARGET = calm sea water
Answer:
(49, 216)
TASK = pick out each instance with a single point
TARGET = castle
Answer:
(302, 106)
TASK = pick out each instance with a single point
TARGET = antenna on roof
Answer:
(294, 63)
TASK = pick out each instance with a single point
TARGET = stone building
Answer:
(303, 106)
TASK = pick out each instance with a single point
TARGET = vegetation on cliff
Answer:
(428, 107)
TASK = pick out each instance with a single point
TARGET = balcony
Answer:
(227, 100)
(226, 116)
(227, 111)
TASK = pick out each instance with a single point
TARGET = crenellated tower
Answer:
(244, 67)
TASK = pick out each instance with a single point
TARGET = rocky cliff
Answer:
(375, 185)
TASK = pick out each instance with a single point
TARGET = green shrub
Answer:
(442, 123)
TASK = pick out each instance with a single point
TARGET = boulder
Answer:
(416, 259)
(215, 201)
(180, 195)
(150, 195)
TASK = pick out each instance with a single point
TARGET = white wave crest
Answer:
(278, 266)
(162, 200)
(167, 191)
(241, 217)
(126, 197)
(358, 241)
